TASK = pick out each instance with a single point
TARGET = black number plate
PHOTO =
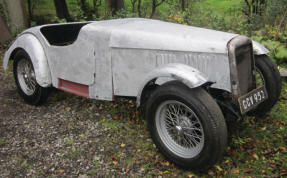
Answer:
(252, 99)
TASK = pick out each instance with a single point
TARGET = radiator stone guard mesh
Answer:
(241, 60)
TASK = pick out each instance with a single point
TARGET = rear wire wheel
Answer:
(25, 79)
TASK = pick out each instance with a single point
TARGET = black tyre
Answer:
(186, 125)
(267, 74)
(25, 79)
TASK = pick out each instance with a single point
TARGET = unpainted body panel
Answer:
(113, 57)
(30, 43)
(188, 75)
(259, 49)
(75, 62)
(159, 35)
(131, 66)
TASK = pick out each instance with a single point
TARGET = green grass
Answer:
(48, 8)
(217, 6)
(220, 6)
(2, 142)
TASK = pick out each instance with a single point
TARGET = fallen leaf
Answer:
(190, 176)
(228, 149)
(163, 172)
(263, 128)
(248, 170)
(235, 171)
(282, 148)
(255, 156)
(167, 163)
(218, 168)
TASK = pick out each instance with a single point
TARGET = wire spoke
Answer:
(179, 128)
(193, 135)
(191, 128)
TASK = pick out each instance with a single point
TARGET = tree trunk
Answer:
(30, 9)
(155, 4)
(96, 9)
(15, 11)
(133, 2)
(62, 9)
(120, 4)
(182, 5)
(262, 5)
(139, 8)
(153, 8)
(255, 7)
(4, 31)
(25, 16)
(116, 5)
(86, 10)
(95, 3)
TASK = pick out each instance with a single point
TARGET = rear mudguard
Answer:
(33, 47)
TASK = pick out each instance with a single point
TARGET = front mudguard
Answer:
(188, 75)
(259, 49)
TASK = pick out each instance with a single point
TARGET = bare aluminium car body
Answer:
(119, 57)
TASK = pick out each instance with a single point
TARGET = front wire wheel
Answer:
(266, 74)
(186, 125)
(179, 129)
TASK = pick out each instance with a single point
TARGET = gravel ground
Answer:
(69, 135)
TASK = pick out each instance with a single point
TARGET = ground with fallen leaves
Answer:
(74, 136)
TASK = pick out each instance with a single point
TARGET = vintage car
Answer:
(188, 80)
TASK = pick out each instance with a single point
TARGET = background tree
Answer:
(255, 7)
(155, 4)
(97, 4)
(133, 2)
(183, 4)
(87, 11)
(4, 31)
(62, 9)
(116, 5)
(139, 8)
(30, 12)
(31, 6)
